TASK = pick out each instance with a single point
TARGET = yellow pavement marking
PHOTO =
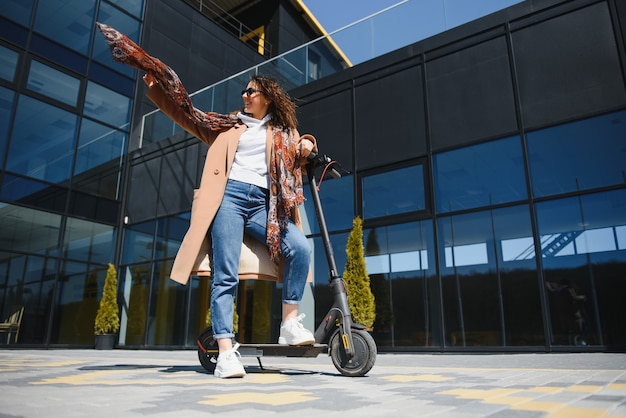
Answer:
(403, 378)
(571, 412)
(39, 363)
(138, 377)
(480, 393)
(555, 409)
(584, 388)
(546, 389)
(616, 386)
(274, 399)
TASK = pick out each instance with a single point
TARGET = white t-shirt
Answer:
(250, 164)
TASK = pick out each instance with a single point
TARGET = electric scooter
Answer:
(351, 348)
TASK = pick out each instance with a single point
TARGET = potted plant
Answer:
(360, 297)
(107, 322)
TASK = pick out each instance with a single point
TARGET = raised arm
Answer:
(166, 89)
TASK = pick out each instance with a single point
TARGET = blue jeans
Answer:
(244, 209)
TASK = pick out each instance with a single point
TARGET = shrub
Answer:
(360, 296)
(107, 318)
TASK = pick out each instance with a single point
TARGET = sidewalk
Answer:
(127, 383)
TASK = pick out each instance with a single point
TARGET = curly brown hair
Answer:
(282, 108)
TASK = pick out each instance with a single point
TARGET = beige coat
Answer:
(193, 256)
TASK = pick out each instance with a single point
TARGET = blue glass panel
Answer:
(28, 230)
(320, 263)
(134, 7)
(469, 280)
(42, 150)
(53, 83)
(107, 106)
(479, 175)
(97, 145)
(130, 27)
(6, 104)
(394, 192)
(58, 54)
(84, 240)
(402, 269)
(77, 294)
(69, 22)
(578, 156)
(110, 78)
(519, 285)
(13, 33)
(577, 226)
(138, 243)
(583, 242)
(170, 233)
(8, 63)
(337, 197)
(33, 193)
(168, 308)
(18, 10)
(135, 287)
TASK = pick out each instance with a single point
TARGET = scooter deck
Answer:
(277, 350)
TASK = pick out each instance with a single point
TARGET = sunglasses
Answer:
(250, 91)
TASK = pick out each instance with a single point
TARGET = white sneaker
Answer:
(293, 333)
(228, 364)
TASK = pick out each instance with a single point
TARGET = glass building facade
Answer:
(65, 118)
(487, 163)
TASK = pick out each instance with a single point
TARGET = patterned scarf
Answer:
(285, 171)
(285, 187)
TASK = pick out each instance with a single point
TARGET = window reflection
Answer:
(53, 83)
(578, 156)
(138, 243)
(42, 150)
(98, 144)
(400, 263)
(337, 197)
(479, 175)
(88, 241)
(133, 7)
(135, 288)
(130, 27)
(33, 193)
(36, 297)
(69, 22)
(584, 260)
(107, 106)
(28, 230)
(6, 103)
(168, 308)
(394, 192)
(8, 63)
(97, 167)
(483, 284)
(79, 289)
(18, 10)
(170, 233)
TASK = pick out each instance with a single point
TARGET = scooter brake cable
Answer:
(324, 173)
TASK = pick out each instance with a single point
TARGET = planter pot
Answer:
(105, 341)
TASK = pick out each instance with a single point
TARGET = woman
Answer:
(251, 184)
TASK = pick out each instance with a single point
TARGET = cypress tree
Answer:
(360, 296)
(107, 318)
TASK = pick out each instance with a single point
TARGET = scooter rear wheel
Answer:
(207, 350)
(364, 355)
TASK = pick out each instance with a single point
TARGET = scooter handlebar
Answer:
(319, 160)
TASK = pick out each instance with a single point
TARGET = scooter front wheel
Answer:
(364, 353)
